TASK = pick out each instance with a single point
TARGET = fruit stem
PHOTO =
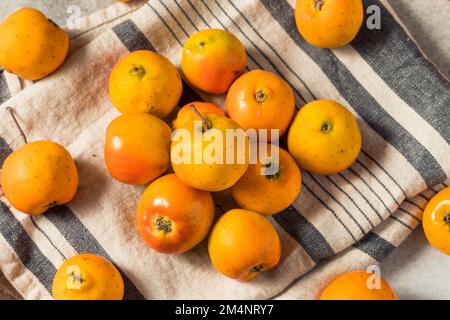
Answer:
(16, 123)
(257, 268)
(318, 4)
(206, 122)
(447, 218)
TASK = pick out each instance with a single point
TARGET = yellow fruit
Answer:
(87, 277)
(324, 137)
(212, 174)
(38, 176)
(144, 81)
(31, 45)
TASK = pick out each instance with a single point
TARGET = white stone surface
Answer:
(415, 270)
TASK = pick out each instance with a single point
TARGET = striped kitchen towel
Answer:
(341, 222)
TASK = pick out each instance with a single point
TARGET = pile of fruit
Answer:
(177, 211)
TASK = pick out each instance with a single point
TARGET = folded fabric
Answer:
(399, 99)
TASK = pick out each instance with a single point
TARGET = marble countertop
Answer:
(415, 270)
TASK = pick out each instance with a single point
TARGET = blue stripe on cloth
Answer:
(362, 102)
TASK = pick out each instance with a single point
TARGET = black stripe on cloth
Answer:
(375, 246)
(27, 251)
(370, 188)
(362, 102)
(379, 181)
(83, 241)
(335, 200)
(5, 151)
(133, 39)
(331, 210)
(389, 52)
(187, 16)
(385, 171)
(336, 185)
(4, 90)
(407, 226)
(361, 194)
(299, 228)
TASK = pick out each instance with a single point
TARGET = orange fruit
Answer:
(357, 285)
(264, 190)
(32, 45)
(436, 221)
(137, 148)
(38, 176)
(242, 244)
(173, 217)
(329, 23)
(261, 100)
(212, 59)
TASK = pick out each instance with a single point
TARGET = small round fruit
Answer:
(243, 244)
(87, 277)
(261, 100)
(212, 156)
(212, 59)
(186, 114)
(137, 148)
(266, 191)
(38, 176)
(329, 23)
(144, 81)
(357, 285)
(436, 221)
(32, 46)
(324, 137)
(173, 217)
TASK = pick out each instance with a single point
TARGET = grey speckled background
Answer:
(415, 270)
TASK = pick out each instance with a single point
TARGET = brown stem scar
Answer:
(318, 4)
(447, 218)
